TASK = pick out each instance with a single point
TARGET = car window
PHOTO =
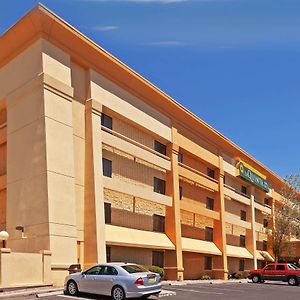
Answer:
(270, 267)
(292, 267)
(93, 271)
(134, 269)
(108, 270)
(280, 267)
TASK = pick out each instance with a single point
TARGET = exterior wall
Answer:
(233, 266)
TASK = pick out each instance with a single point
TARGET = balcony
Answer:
(195, 207)
(236, 195)
(198, 177)
(236, 220)
(260, 228)
(135, 190)
(127, 145)
(262, 207)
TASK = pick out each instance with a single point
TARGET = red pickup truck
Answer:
(277, 271)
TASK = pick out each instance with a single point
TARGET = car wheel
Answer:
(292, 281)
(256, 279)
(72, 288)
(118, 293)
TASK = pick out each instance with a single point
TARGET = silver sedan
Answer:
(119, 280)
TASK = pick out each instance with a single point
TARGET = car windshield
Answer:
(134, 269)
(292, 267)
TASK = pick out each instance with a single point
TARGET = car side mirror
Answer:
(83, 274)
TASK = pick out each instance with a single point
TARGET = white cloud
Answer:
(166, 44)
(104, 28)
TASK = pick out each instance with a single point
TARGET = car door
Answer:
(269, 272)
(280, 272)
(105, 280)
(87, 282)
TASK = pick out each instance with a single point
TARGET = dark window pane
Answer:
(107, 167)
(243, 215)
(158, 258)
(242, 241)
(108, 270)
(270, 267)
(159, 186)
(266, 223)
(106, 121)
(267, 201)
(108, 254)
(210, 173)
(180, 192)
(94, 270)
(244, 190)
(208, 263)
(242, 265)
(158, 223)
(180, 157)
(209, 234)
(265, 246)
(131, 269)
(210, 203)
(280, 267)
(159, 147)
(107, 213)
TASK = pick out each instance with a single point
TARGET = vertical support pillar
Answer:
(220, 226)
(174, 262)
(94, 225)
(46, 257)
(250, 233)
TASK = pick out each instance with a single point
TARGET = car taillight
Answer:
(139, 281)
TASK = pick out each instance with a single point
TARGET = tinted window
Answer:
(134, 269)
(266, 223)
(210, 173)
(108, 270)
(210, 203)
(158, 223)
(270, 267)
(207, 262)
(159, 186)
(93, 271)
(107, 213)
(209, 234)
(280, 267)
(244, 190)
(242, 241)
(107, 167)
(159, 147)
(106, 121)
(243, 215)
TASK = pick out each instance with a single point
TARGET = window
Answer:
(158, 258)
(180, 157)
(207, 262)
(280, 267)
(209, 234)
(180, 192)
(106, 121)
(243, 215)
(158, 223)
(159, 147)
(209, 203)
(107, 213)
(242, 265)
(108, 254)
(159, 186)
(107, 167)
(267, 201)
(265, 246)
(266, 223)
(242, 241)
(244, 190)
(93, 271)
(108, 270)
(131, 269)
(270, 267)
(210, 173)
(224, 180)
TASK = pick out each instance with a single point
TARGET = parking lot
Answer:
(216, 291)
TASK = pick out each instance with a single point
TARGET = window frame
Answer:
(242, 240)
(107, 173)
(210, 203)
(107, 213)
(157, 187)
(209, 234)
(210, 173)
(105, 117)
(243, 215)
(160, 148)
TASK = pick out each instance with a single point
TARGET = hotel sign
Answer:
(249, 175)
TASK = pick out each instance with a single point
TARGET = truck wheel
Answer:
(256, 279)
(292, 280)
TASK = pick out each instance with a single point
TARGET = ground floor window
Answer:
(108, 254)
(158, 258)
(208, 263)
(242, 265)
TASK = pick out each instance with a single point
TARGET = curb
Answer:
(29, 292)
(47, 294)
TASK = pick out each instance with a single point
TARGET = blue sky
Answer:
(234, 63)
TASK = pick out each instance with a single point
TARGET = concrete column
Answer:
(220, 226)
(46, 257)
(94, 224)
(250, 233)
(173, 261)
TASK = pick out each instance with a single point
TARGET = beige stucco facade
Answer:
(52, 149)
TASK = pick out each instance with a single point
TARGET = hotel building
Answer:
(97, 164)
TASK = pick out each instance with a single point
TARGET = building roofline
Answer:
(40, 22)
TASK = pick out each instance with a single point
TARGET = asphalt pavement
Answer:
(220, 291)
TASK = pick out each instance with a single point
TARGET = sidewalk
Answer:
(29, 291)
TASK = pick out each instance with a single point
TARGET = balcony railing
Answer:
(236, 195)
(262, 206)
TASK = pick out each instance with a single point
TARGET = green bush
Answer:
(236, 275)
(156, 269)
(205, 277)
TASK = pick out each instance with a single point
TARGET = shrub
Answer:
(205, 277)
(235, 275)
(156, 269)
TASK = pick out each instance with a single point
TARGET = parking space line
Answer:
(200, 292)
